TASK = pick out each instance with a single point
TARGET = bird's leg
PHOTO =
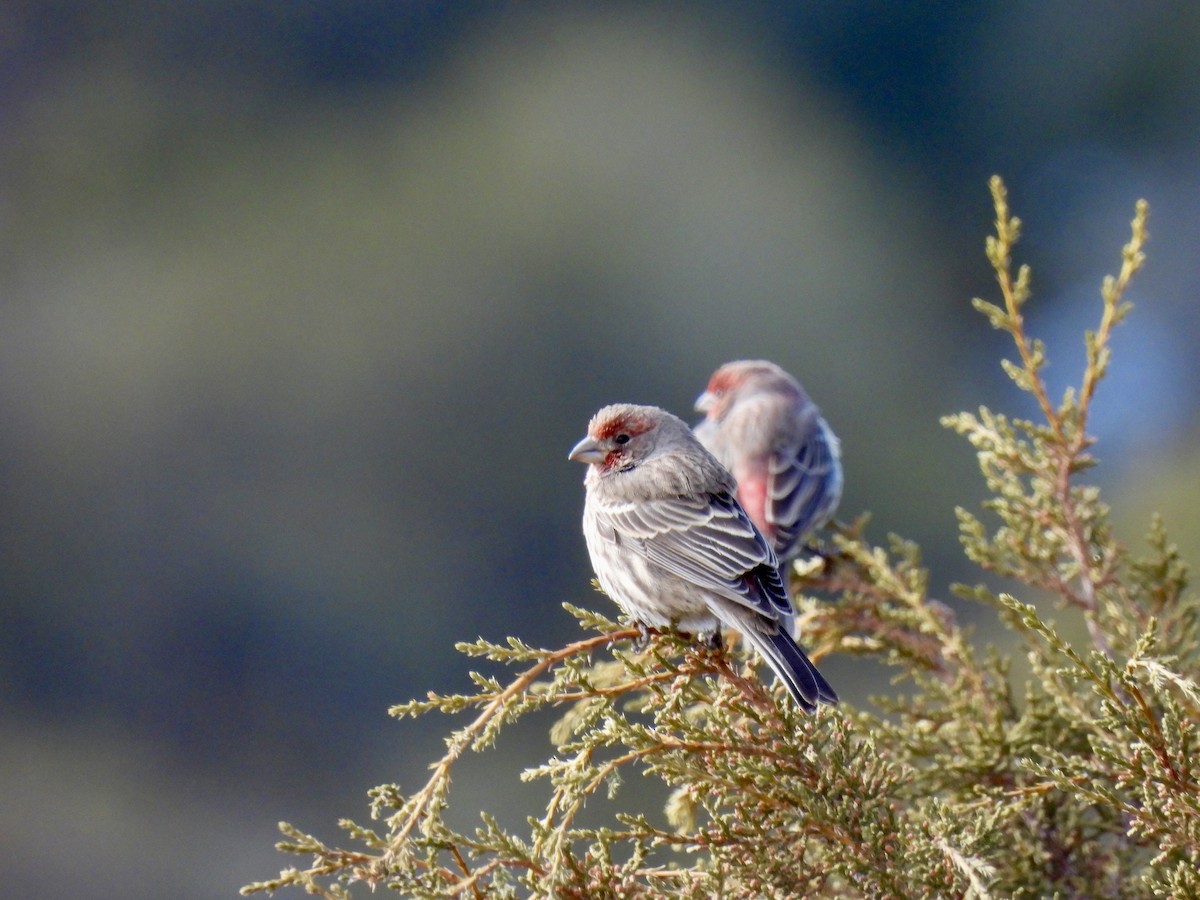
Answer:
(824, 567)
(643, 636)
(712, 641)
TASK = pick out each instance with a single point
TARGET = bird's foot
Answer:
(643, 636)
(712, 641)
(818, 563)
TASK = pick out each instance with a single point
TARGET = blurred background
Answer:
(302, 306)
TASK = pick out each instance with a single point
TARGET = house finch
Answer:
(672, 546)
(762, 425)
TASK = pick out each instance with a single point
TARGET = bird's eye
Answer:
(621, 439)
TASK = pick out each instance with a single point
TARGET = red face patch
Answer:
(627, 423)
(732, 376)
(724, 379)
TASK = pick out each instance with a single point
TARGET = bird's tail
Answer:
(806, 685)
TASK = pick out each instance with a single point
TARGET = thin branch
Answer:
(403, 823)
(1008, 229)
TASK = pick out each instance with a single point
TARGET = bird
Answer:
(671, 545)
(764, 428)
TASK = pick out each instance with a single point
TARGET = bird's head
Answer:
(622, 435)
(735, 379)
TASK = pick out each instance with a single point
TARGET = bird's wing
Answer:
(804, 484)
(707, 540)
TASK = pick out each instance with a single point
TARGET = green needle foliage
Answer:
(1077, 779)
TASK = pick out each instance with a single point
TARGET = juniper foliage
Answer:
(1078, 779)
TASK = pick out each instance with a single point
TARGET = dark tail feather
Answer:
(806, 685)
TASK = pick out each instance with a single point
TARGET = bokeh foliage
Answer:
(1073, 778)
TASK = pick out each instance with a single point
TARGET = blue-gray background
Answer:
(303, 305)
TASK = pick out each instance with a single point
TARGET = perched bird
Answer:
(787, 462)
(672, 546)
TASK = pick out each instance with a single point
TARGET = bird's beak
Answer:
(587, 451)
(705, 402)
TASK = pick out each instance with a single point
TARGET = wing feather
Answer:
(707, 540)
(803, 487)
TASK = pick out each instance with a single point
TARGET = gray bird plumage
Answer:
(673, 547)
